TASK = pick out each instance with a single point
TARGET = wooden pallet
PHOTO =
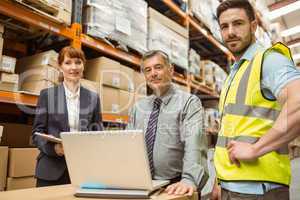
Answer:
(53, 13)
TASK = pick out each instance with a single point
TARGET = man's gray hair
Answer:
(153, 53)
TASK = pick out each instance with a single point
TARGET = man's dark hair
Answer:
(243, 4)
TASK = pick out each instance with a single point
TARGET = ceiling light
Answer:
(290, 31)
(283, 10)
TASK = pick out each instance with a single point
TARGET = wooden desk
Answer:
(65, 192)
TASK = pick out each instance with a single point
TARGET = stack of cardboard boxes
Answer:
(170, 37)
(123, 21)
(38, 72)
(17, 157)
(8, 79)
(21, 168)
(3, 163)
(117, 84)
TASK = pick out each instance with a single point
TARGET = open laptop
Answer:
(114, 163)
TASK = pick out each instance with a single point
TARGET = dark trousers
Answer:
(64, 179)
(281, 193)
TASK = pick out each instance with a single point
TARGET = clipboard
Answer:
(50, 138)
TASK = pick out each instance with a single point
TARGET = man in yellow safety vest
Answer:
(260, 111)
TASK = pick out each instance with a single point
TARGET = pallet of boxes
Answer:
(17, 157)
(38, 72)
(57, 10)
(8, 79)
(119, 86)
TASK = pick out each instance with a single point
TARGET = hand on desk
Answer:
(180, 188)
(59, 150)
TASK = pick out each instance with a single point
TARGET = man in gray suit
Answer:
(172, 121)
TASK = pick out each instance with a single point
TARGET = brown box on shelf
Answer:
(168, 36)
(1, 28)
(35, 87)
(40, 59)
(103, 70)
(16, 135)
(8, 64)
(155, 15)
(9, 78)
(9, 82)
(40, 72)
(10, 87)
(1, 46)
(140, 83)
(126, 101)
(22, 162)
(126, 78)
(1, 133)
(90, 85)
(3, 166)
(20, 183)
(110, 100)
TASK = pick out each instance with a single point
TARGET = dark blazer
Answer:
(52, 118)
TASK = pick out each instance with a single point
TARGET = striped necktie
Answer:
(151, 132)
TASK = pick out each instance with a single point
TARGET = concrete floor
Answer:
(295, 184)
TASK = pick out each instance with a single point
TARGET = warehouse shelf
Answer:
(31, 100)
(77, 39)
(192, 22)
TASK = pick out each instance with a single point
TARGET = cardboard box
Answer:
(103, 70)
(35, 87)
(9, 82)
(1, 132)
(44, 58)
(126, 78)
(3, 166)
(8, 64)
(9, 78)
(22, 162)
(140, 83)
(16, 135)
(90, 85)
(1, 46)
(40, 72)
(1, 28)
(126, 101)
(155, 15)
(20, 183)
(110, 100)
(10, 87)
(170, 37)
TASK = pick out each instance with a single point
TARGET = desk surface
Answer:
(65, 192)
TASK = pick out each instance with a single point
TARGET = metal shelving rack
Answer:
(78, 39)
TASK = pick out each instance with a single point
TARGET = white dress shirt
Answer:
(73, 106)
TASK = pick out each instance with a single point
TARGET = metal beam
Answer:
(280, 4)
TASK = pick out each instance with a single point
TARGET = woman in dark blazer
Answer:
(63, 108)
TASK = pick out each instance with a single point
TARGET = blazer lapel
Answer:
(84, 98)
(62, 107)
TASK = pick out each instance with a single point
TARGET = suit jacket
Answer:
(52, 118)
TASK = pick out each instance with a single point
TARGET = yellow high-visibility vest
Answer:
(246, 115)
